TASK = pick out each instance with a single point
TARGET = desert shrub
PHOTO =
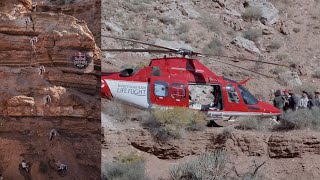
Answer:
(136, 5)
(214, 47)
(134, 34)
(172, 123)
(308, 87)
(223, 136)
(183, 28)
(296, 30)
(212, 24)
(43, 167)
(115, 110)
(277, 70)
(252, 34)
(129, 158)
(253, 174)
(186, 38)
(252, 13)
(167, 37)
(275, 45)
(153, 30)
(124, 171)
(300, 119)
(316, 74)
(249, 124)
(282, 57)
(167, 20)
(206, 166)
(282, 82)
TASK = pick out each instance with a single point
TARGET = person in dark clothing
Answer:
(293, 101)
(278, 102)
(310, 102)
(316, 100)
(287, 98)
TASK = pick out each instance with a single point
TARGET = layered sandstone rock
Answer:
(57, 37)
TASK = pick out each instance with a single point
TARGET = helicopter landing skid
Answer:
(215, 121)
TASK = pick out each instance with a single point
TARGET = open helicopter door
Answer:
(168, 92)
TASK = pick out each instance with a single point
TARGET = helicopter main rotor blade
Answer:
(139, 42)
(244, 69)
(239, 58)
(139, 50)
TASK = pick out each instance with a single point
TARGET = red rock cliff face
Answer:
(59, 37)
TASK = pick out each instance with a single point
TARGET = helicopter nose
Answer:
(105, 90)
(268, 108)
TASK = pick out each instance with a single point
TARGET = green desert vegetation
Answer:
(172, 123)
(127, 167)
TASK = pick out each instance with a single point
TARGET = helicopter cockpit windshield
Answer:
(247, 97)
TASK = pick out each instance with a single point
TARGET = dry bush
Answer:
(183, 28)
(308, 87)
(300, 119)
(275, 45)
(153, 30)
(172, 123)
(251, 13)
(252, 34)
(136, 5)
(212, 24)
(282, 57)
(115, 110)
(186, 38)
(282, 82)
(316, 74)
(277, 70)
(130, 158)
(167, 37)
(167, 20)
(206, 166)
(214, 47)
(124, 171)
(296, 30)
(250, 124)
(135, 34)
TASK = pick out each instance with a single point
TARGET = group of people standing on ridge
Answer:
(290, 101)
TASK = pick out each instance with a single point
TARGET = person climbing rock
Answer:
(62, 168)
(1, 178)
(24, 165)
(48, 99)
(34, 6)
(53, 133)
(33, 42)
(41, 70)
(27, 21)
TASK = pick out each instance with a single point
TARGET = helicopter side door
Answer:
(168, 92)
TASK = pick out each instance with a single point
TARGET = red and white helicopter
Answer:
(179, 81)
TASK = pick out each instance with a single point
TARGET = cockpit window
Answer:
(232, 94)
(161, 88)
(128, 72)
(248, 98)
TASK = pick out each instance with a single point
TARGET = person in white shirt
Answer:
(303, 102)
